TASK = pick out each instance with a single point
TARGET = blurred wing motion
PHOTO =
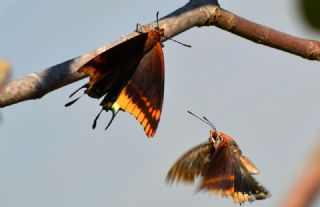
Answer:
(252, 169)
(221, 170)
(130, 76)
(227, 175)
(192, 164)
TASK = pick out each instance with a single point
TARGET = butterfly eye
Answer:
(215, 135)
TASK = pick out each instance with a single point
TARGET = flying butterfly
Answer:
(221, 167)
(130, 76)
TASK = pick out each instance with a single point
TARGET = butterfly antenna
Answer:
(176, 41)
(73, 101)
(210, 123)
(95, 119)
(205, 120)
(114, 113)
(157, 15)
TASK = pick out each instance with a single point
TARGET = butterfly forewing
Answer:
(192, 164)
(111, 70)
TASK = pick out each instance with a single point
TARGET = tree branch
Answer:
(36, 85)
(308, 49)
(195, 13)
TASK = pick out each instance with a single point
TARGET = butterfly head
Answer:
(215, 139)
(159, 30)
(151, 29)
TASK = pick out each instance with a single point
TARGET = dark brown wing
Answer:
(110, 71)
(192, 164)
(143, 95)
(131, 76)
(227, 176)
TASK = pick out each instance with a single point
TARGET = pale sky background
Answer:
(266, 99)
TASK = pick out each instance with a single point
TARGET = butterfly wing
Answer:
(192, 164)
(227, 176)
(252, 169)
(143, 95)
(110, 71)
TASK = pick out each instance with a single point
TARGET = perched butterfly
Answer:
(130, 76)
(222, 168)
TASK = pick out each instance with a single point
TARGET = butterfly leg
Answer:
(84, 86)
(73, 101)
(95, 119)
(114, 109)
(114, 113)
(139, 28)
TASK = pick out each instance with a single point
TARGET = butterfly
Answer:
(130, 76)
(222, 168)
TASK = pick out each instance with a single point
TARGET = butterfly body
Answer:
(222, 169)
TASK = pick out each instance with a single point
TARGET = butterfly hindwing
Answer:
(143, 95)
(248, 164)
(227, 176)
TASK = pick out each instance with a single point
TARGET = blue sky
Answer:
(267, 100)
